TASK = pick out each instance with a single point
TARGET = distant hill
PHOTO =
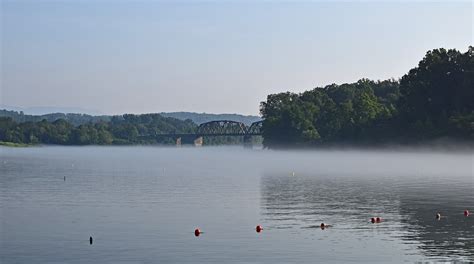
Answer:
(43, 110)
(200, 118)
(79, 119)
(75, 119)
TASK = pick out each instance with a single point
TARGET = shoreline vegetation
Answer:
(433, 102)
(15, 145)
(120, 130)
(126, 129)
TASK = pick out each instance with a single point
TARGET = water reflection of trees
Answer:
(305, 201)
(453, 235)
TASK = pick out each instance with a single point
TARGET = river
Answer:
(142, 204)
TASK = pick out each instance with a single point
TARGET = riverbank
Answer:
(15, 145)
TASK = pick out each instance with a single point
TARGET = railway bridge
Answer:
(216, 128)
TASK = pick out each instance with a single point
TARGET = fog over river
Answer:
(142, 204)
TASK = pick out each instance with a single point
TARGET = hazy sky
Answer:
(153, 56)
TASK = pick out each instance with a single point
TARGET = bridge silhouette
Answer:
(216, 128)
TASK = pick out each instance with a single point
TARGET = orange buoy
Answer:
(466, 213)
(378, 219)
(259, 228)
(438, 216)
(197, 232)
(372, 219)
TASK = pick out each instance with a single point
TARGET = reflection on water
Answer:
(407, 207)
(453, 234)
(305, 200)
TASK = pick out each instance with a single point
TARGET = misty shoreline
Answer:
(433, 145)
(462, 147)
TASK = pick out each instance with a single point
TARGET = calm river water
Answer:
(142, 204)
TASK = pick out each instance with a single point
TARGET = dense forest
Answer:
(434, 100)
(126, 129)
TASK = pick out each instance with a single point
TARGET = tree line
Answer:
(120, 130)
(433, 100)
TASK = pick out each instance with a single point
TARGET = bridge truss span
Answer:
(215, 129)
(255, 128)
(228, 127)
(222, 127)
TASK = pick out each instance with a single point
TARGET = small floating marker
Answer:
(373, 220)
(323, 226)
(197, 232)
(64, 178)
(466, 213)
(91, 240)
(293, 173)
(378, 219)
(259, 228)
(438, 216)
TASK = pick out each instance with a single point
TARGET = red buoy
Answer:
(197, 232)
(372, 219)
(466, 213)
(259, 228)
(378, 219)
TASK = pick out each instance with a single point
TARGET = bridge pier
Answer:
(247, 141)
(198, 142)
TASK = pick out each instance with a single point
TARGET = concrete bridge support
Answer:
(198, 142)
(247, 141)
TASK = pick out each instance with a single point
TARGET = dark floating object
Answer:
(323, 226)
(197, 232)
(466, 213)
(259, 228)
(375, 220)
(438, 216)
(64, 178)
(90, 240)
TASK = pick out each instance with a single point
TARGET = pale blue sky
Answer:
(153, 56)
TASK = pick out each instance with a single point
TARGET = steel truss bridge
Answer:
(217, 128)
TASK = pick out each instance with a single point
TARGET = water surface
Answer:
(142, 204)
